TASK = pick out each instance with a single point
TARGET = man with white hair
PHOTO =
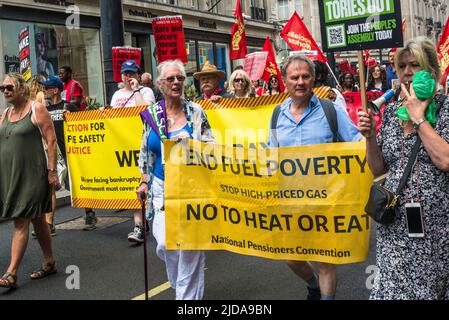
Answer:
(146, 80)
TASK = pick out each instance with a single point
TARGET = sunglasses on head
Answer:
(172, 78)
(8, 87)
(239, 80)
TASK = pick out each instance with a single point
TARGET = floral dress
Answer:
(413, 268)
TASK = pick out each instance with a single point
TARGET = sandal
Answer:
(47, 269)
(9, 280)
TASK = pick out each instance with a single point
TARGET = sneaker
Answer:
(314, 293)
(90, 221)
(136, 235)
(52, 230)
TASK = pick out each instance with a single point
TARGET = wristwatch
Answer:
(418, 123)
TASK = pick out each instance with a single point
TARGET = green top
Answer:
(24, 188)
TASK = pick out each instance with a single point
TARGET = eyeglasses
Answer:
(8, 87)
(172, 78)
(239, 80)
(274, 80)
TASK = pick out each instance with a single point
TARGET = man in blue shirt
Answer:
(391, 69)
(302, 121)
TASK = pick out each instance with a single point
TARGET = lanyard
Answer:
(415, 179)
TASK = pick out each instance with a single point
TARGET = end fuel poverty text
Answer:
(327, 165)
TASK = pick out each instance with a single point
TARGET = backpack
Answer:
(329, 111)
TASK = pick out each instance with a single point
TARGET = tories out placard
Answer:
(363, 24)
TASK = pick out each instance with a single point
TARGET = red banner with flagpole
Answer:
(271, 66)
(238, 37)
(298, 37)
(443, 52)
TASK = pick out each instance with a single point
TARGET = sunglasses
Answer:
(8, 87)
(172, 78)
(239, 80)
(274, 80)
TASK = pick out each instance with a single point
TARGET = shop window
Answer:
(205, 53)
(53, 46)
(283, 11)
(254, 49)
(195, 4)
(222, 61)
(191, 90)
(298, 7)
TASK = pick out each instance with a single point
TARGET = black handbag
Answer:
(382, 202)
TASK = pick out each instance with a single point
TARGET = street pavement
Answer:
(112, 268)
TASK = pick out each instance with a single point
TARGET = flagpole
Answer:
(362, 81)
(330, 69)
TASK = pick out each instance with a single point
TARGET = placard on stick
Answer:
(122, 54)
(169, 37)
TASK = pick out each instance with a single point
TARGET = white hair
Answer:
(161, 68)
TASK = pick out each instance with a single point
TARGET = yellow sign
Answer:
(102, 152)
(246, 121)
(296, 203)
(242, 122)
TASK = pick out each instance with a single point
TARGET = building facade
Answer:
(422, 18)
(67, 32)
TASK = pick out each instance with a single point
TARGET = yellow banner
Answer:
(297, 203)
(244, 121)
(102, 153)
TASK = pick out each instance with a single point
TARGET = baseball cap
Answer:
(130, 66)
(53, 82)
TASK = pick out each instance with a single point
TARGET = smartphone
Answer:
(415, 223)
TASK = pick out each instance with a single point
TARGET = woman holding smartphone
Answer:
(413, 251)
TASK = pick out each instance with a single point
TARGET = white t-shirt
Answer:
(340, 100)
(121, 96)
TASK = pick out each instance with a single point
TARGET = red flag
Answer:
(238, 37)
(271, 67)
(367, 55)
(345, 66)
(443, 51)
(298, 37)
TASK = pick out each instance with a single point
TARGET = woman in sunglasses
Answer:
(240, 85)
(173, 118)
(27, 178)
(273, 85)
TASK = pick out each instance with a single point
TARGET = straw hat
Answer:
(209, 68)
